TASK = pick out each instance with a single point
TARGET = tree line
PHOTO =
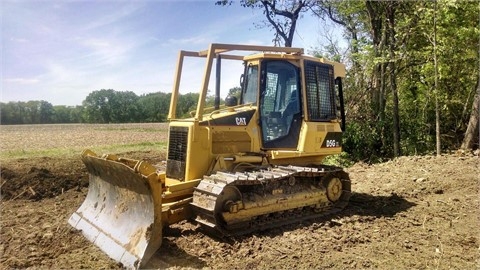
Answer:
(100, 106)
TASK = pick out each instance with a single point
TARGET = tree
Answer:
(77, 114)
(471, 139)
(97, 106)
(62, 114)
(123, 107)
(435, 85)
(391, 48)
(110, 106)
(235, 92)
(186, 104)
(370, 28)
(30, 112)
(351, 15)
(282, 16)
(46, 112)
(154, 106)
(391, 11)
(449, 65)
(13, 113)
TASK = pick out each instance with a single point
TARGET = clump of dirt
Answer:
(38, 183)
(7, 174)
(41, 178)
(411, 212)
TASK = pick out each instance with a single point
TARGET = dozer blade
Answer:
(122, 211)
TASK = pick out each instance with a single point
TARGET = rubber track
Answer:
(206, 193)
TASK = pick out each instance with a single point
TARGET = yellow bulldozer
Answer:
(250, 164)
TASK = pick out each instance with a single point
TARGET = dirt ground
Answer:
(418, 212)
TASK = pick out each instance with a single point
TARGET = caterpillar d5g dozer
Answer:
(250, 164)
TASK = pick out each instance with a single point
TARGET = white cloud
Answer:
(116, 12)
(106, 51)
(21, 80)
(257, 42)
(203, 39)
(19, 40)
(58, 72)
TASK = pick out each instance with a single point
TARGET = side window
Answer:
(320, 91)
(280, 100)
(249, 94)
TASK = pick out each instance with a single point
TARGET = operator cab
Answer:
(275, 84)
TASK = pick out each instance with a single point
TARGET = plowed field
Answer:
(419, 212)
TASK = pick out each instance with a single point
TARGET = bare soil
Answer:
(419, 212)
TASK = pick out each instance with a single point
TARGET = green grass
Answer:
(144, 146)
(71, 152)
(342, 160)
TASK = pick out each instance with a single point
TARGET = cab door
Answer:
(280, 106)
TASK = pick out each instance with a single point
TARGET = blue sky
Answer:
(60, 51)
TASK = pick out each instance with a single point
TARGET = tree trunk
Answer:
(437, 106)
(393, 79)
(472, 136)
(282, 30)
(375, 10)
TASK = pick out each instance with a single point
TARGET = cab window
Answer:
(249, 94)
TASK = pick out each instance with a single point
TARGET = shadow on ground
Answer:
(377, 206)
(361, 204)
